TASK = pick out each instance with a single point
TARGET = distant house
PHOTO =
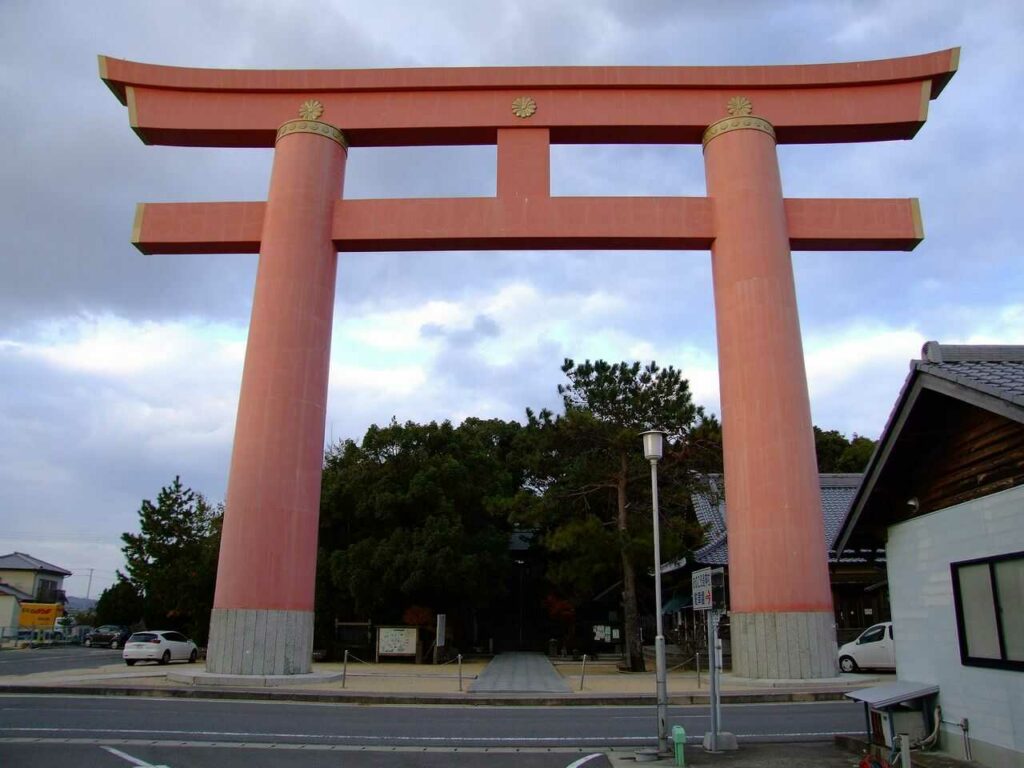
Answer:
(858, 578)
(27, 579)
(42, 580)
(944, 492)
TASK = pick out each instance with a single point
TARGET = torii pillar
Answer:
(262, 620)
(781, 618)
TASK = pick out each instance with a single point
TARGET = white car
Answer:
(161, 646)
(873, 649)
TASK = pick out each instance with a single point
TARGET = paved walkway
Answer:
(519, 673)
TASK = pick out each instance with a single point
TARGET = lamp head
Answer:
(653, 440)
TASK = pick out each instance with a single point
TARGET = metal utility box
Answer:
(900, 707)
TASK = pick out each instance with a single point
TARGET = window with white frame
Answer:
(988, 594)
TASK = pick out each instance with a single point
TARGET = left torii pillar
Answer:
(262, 621)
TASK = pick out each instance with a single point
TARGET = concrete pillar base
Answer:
(784, 646)
(250, 641)
(724, 742)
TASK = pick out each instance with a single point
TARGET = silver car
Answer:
(159, 645)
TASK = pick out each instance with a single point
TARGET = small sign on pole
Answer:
(441, 621)
(701, 585)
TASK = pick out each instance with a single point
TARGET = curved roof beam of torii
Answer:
(818, 103)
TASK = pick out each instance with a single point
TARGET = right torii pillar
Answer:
(780, 600)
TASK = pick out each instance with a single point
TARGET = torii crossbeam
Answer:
(782, 622)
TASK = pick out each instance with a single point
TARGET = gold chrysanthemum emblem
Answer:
(311, 110)
(739, 106)
(524, 106)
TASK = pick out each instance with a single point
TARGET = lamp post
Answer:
(653, 439)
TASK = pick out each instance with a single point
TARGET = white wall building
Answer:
(945, 491)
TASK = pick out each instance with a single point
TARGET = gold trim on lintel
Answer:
(926, 95)
(746, 122)
(313, 126)
(133, 114)
(915, 215)
(140, 212)
(311, 110)
(524, 106)
(739, 106)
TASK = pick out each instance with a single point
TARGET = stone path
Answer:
(519, 673)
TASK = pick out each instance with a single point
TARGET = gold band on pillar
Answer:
(739, 123)
(313, 126)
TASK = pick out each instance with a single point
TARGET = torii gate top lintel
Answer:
(857, 101)
(523, 110)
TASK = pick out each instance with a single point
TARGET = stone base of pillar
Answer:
(259, 642)
(783, 646)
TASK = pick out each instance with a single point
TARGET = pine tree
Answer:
(172, 561)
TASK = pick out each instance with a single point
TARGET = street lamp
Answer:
(653, 439)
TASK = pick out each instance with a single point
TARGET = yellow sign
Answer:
(37, 615)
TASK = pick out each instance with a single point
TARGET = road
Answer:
(101, 730)
(25, 661)
(109, 717)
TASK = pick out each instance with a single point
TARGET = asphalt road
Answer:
(134, 718)
(109, 731)
(25, 661)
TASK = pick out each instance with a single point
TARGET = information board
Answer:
(396, 641)
(701, 584)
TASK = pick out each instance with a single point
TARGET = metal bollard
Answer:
(679, 744)
(904, 741)
(344, 669)
(460, 671)
(583, 671)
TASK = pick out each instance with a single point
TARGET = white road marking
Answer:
(414, 739)
(349, 737)
(278, 746)
(582, 760)
(132, 760)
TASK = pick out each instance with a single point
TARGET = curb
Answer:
(434, 699)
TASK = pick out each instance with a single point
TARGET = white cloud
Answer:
(116, 348)
(836, 359)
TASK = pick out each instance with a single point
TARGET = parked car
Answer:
(109, 634)
(161, 646)
(873, 649)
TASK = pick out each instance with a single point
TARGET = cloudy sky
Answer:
(119, 371)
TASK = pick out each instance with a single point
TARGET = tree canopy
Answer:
(417, 515)
(836, 453)
(120, 603)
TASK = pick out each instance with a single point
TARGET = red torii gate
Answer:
(782, 621)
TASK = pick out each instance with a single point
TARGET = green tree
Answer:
(829, 446)
(838, 454)
(172, 561)
(417, 515)
(591, 485)
(120, 603)
(856, 455)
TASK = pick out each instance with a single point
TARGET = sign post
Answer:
(439, 636)
(708, 590)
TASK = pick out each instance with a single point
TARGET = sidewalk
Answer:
(602, 683)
